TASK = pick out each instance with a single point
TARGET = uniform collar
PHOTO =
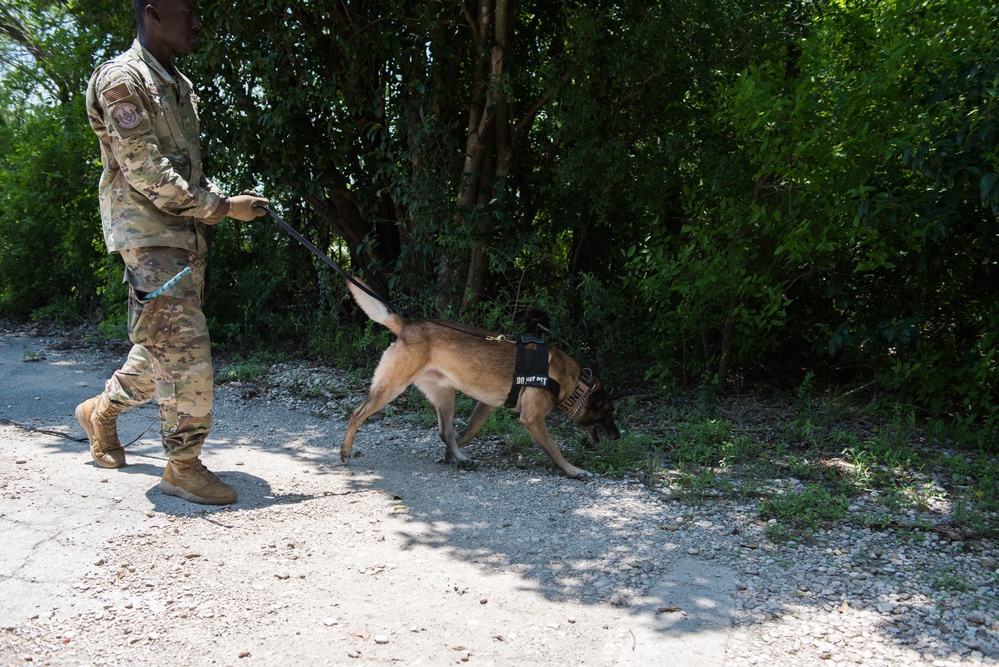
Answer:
(179, 81)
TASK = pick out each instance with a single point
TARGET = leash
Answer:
(170, 283)
(49, 431)
(323, 256)
(28, 427)
(354, 281)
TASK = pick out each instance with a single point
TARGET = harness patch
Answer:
(531, 369)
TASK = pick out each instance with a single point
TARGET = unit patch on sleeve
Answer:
(126, 116)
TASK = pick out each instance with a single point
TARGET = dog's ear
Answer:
(592, 367)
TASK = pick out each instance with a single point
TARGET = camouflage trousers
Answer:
(170, 359)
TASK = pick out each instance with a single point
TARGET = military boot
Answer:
(99, 418)
(191, 480)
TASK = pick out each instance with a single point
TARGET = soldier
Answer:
(156, 211)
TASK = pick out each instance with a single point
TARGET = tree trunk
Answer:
(726, 347)
(344, 216)
(455, 268)
(494, 135)
(494, 132)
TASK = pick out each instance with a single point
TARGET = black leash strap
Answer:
(28, 427)
(323, 256)
(47, 431)
(346, 276)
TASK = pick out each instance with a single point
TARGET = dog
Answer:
(442, 357)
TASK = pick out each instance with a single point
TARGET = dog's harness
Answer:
(531, 370)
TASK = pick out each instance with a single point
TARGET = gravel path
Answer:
(400, 559)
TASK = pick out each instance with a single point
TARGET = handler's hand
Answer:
(246, 207)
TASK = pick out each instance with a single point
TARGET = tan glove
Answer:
(246, 207)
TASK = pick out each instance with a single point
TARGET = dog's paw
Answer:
(345, 458)
(467, 464)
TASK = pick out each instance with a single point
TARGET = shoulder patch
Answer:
(126, 116)
(116, 93)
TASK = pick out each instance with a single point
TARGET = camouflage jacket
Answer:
(152, 190)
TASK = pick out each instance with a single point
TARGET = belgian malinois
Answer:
(441, 357)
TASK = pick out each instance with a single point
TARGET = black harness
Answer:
(531, 369)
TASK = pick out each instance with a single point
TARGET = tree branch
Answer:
(11, 27)
(19, 34)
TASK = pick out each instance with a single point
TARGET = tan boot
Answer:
(191, 480)
(99, 418)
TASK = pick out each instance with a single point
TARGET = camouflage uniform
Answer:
(153, 199)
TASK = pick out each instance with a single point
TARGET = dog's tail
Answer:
(374, 308)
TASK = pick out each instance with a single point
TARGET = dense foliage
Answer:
(696, 191)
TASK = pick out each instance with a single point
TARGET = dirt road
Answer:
(398, 559)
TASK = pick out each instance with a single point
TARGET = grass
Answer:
(700, 448)
(629, 453)
(805, 510)
(946, 580)
(245, 371)
(840, 454)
